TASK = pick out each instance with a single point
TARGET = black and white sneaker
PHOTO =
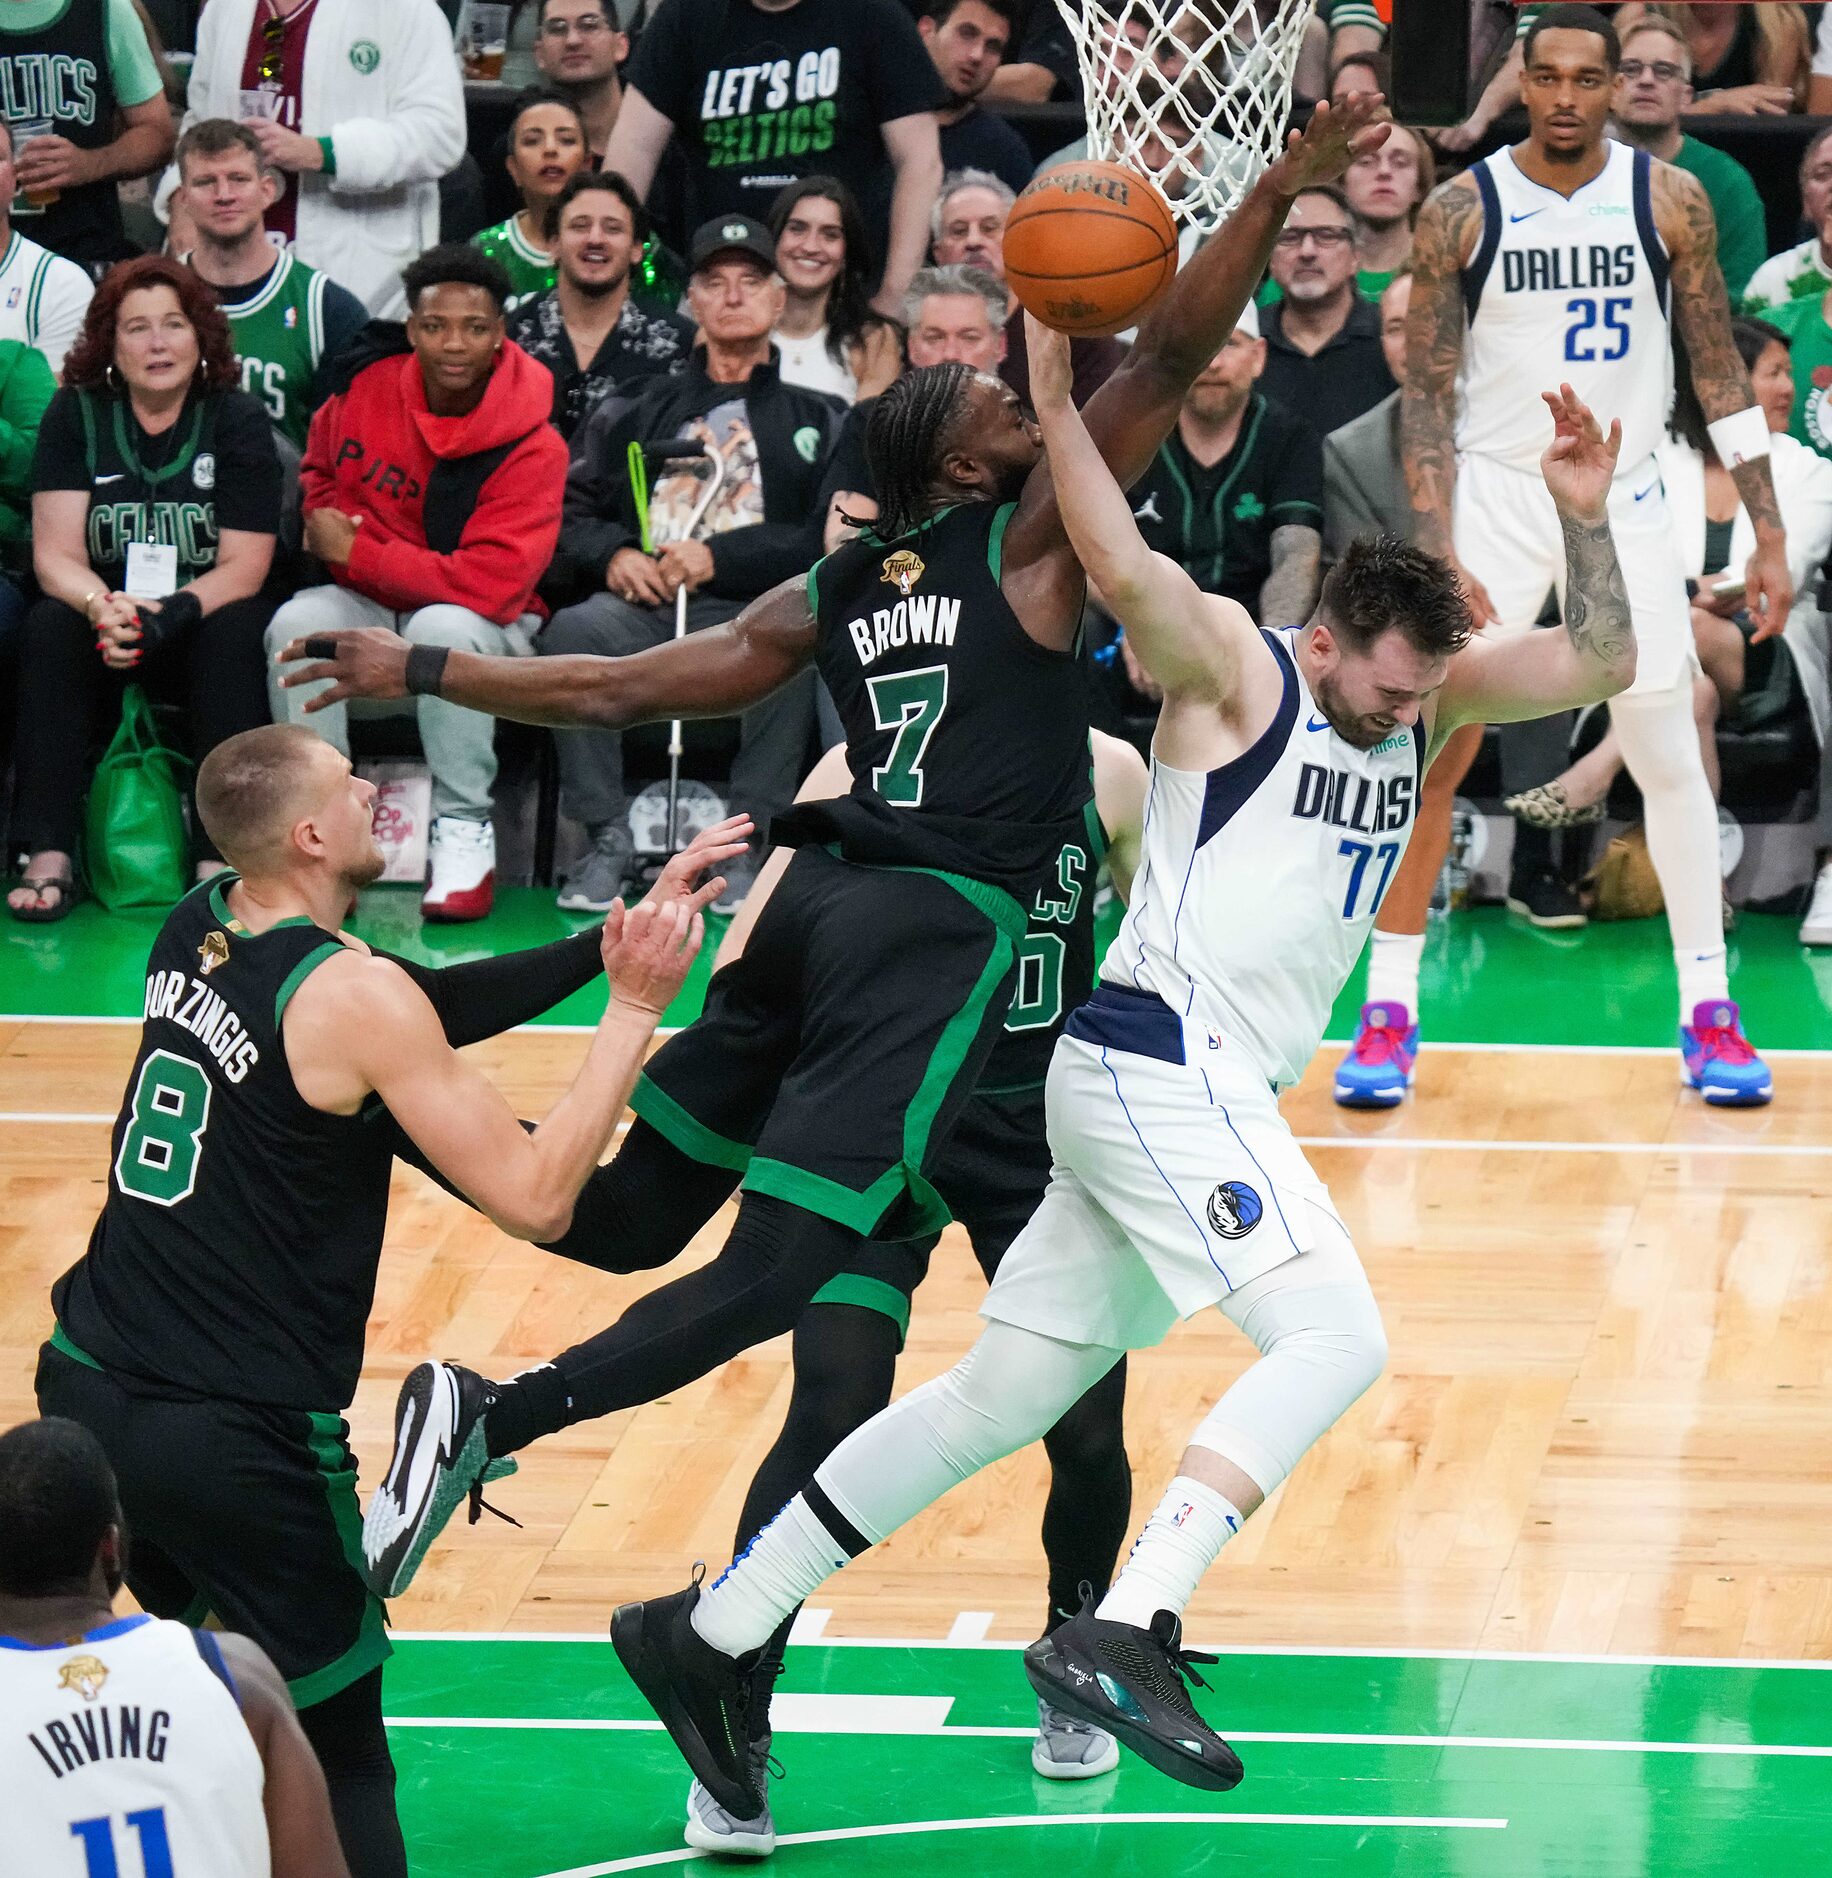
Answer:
(701, 1696)
(710, 1828)
(1130, 1682)
(439, 1461)
(1547, 902)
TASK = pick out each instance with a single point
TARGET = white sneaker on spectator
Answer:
(1816, 928)
(463, 883)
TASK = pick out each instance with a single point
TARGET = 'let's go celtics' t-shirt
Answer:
(760, 98)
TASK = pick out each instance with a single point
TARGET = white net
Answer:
(1195, 94)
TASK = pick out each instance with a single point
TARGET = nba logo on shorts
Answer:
(1234, 1209)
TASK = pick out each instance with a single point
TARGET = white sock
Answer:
(1704, 977)
(1393, 969)
(793, 1556)
(1181, 1540)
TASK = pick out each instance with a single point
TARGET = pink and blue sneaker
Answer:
(1720, 1062)
(1377, 1071)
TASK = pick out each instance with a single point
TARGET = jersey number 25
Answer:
(1613, 336)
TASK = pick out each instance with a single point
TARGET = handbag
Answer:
(136, 848)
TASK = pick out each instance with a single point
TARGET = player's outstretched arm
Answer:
(715, 673)
(1192, 643)
(1131, 414)
(1534, 674)
(1449, 226)
(359, 1025)
(301, 1832)
(1739, 432)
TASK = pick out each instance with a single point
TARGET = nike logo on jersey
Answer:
(1318, 723)
(1641, 495)
(1526, 216)
(115, 478)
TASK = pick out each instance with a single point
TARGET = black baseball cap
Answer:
(732, 234)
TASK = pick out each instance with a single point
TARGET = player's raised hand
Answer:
(1052, 371)
(707, 849)
(648, 951)
(1335, 136)
(1579, 463)
(365, 662)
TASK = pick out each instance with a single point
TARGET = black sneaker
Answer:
(1545, 900)
(439, 1461)
(710, 1828)
(702, 1696)
(1131, 1683)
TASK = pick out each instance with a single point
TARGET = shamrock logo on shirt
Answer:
(1249, 508)
(365, 55)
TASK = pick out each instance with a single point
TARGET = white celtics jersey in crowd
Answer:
(124, 1751)
(1565, 292)
(1259, 880)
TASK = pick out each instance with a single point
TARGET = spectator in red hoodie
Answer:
(432, 484)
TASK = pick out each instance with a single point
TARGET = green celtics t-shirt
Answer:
(1809, 344)
(531, 272)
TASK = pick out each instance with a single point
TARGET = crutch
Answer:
(642, 458)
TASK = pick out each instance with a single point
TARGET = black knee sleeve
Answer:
(351, 1742)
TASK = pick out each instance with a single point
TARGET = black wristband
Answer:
(425, 667)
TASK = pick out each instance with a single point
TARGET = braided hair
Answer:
(904, 438)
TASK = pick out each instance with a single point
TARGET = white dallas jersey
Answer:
(1259, 880)
(1565, 292)
(124, 1752)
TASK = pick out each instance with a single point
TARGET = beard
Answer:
(366, 871)
(598, 289)
(1355, 731)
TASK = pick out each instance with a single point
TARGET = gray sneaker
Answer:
(597, 877)
(710, 1828)
(1067, 1748)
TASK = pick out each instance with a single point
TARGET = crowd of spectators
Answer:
(376, 369)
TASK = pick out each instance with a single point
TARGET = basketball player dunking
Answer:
(1284, 781)
(1572, 256)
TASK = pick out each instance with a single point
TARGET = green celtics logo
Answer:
(807, 442)
(365, 55)
(1249, 508)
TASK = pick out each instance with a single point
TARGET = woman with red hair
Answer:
(155, 505)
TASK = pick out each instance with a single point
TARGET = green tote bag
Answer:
(134, 825)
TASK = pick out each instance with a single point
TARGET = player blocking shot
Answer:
(1284, 782)
(132, 1744)
(833, 1060)
(1571, 256)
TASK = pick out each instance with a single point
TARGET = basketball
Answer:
(1089, 246)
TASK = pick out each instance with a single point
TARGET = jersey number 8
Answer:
(165, 1131)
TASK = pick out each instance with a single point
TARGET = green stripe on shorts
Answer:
(337, 1472)
(869, 1294)
(686, 1132)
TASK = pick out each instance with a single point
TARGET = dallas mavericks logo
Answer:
(1234, 1209)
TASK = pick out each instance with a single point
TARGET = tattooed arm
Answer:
(1289, 591)
(1449, 226)
(1534, 674)
(1701, 311)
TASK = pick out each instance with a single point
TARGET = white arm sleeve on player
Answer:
(1741, 437)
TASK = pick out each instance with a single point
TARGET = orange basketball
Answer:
(1089, 246)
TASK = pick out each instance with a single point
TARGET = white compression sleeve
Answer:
(1012, 1386)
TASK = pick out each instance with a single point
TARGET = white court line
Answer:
(645, 1861)
(1328, 1043)
(1532, 1744)
(1385, 1144)
(970, 1627)
(1358, 1651)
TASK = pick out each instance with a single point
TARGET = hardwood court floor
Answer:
(1606, 1425)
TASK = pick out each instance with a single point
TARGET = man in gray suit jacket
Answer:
(1364, 487)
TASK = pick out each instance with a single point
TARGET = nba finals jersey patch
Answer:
(84, 1674)
(213, 952)
(903, 570)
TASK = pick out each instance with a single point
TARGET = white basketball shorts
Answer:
(1173, 1184)
(1507, 534)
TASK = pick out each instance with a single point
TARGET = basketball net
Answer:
(1195, 94)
